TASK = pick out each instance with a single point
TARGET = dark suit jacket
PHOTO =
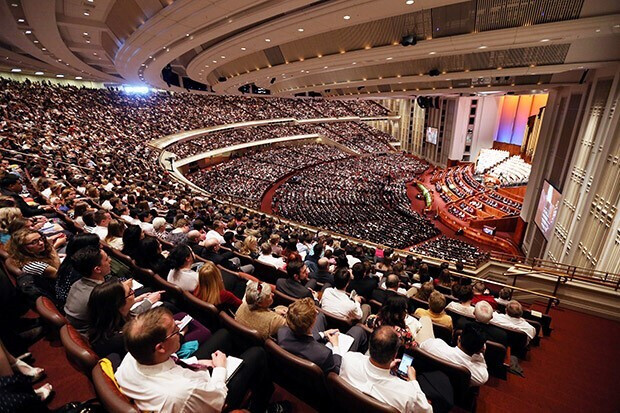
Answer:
(323, 276)
(293, 288)
(27, 210)
(491, 332)
(363, 287)
(308, 348)
(382, 295)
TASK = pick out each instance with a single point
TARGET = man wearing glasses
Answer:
(156, 382)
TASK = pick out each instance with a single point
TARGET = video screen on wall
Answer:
(547, 211)
(431, 135)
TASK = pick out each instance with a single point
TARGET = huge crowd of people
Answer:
(444, 247)
(245, 179)
(80, 183)
(363, 197)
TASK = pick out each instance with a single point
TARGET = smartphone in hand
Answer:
(405, 362)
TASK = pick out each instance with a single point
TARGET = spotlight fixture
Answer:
(409, 40)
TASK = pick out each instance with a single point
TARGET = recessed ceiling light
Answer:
(38, 73)
(545, 40)
(16, 70)
(353, 63)
(21, 20)
(214, 61)
(409, 2)
(85, 33)
(598, 30)
(87, 41)
(267, 40)
(432, 52)
(14, 4)
(60, 75)
(186, 34)
(223, 57)
(325, 67)
(243, 48)
(389, 58)
(482, 47)
(300, 30)
(616, 26)
(78, 78)
(43, 48)
(347, 17)
(28, 32)
(91, 1)
(86, 13)
(35, 41)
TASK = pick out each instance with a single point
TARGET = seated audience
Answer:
(464, 294)
(67, 274)
(131, 240)
(363, 283)
(436, 304)
(11, 186)
(296, 284)
(394, 314)
(180, 261)
(371, 375)
(505, 295)
(337, 301)
(211, 288)
(114, 236)
(483, 314)
(513, 320)
(151, 378)
(482, 294)
(102, 220)
(306, 330)
(469, 351)
(255, 313)
(425, 291)
(267, 257)
(150, 256)
(38, 260)
(391, 289)
(323, 275)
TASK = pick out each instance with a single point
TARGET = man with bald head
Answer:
(323, 275)
(483, 313)
(391, 289)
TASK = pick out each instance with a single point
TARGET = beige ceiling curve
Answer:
(20, 40)
(41, 15)
(340, 65)
(185, 25)
(322, 18)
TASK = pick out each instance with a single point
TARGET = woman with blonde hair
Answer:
(7, 215)
(37, 258)
(211, 288)
(250, 247)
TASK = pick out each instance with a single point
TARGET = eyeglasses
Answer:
(131, 292)
(259, 288)
(36, 241)
(176, 331)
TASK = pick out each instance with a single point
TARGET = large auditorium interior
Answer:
(272, 206)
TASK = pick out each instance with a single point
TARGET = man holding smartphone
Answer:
(373, 375)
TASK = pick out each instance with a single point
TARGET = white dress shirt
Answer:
(466, 310)
(513, 323)
(216, 235)
(185, 278)
(102, 232)
(168, 387)
(406, 396)
(338, 303)
(271, 260)
(475, 364)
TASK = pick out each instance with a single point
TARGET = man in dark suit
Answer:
(11, 186)
(362, 283)
(323, 275)
(305, 335)
(483, 312)
(296, 284)
(391, 287)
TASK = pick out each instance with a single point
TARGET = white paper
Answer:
(136, 285)
(537, 314)
(232, 364)
(345, 342)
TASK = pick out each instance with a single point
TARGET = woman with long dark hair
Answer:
(394, 313)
